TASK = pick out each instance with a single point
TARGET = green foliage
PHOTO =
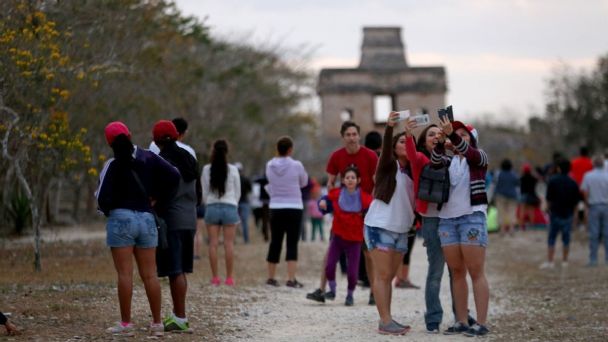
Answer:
(68, 69)
(19, 212)
(577, 106)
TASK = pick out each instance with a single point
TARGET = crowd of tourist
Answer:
(158, 202)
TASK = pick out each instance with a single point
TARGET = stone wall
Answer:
(383, 71)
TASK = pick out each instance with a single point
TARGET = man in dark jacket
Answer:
(180, 216)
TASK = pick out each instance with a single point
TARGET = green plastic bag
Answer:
(492, 219)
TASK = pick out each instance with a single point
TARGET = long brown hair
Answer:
(421, 143)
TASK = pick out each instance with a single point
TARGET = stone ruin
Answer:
(383, 79)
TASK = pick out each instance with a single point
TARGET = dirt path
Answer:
(285, 314)
(74, 298)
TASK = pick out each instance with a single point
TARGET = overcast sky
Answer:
(498, 54)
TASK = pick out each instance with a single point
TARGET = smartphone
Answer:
(421, 119)
(443, 112)
(404, 114)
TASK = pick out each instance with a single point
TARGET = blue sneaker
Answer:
(330, 295)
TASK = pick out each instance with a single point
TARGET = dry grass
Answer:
(564, 304)
(74, 297)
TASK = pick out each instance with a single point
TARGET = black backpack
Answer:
(434, 185)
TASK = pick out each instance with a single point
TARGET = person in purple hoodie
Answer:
(286, 177)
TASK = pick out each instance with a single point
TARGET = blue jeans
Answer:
(434, 255)
(244, 212)
(598, 222)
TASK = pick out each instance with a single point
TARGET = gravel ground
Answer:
(285, 314)
(74, 297)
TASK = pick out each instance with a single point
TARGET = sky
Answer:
(498, 54)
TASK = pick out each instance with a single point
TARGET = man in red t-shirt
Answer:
(366, 161)
(352, 154)
(578, 167)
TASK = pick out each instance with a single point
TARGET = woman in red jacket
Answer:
(349, 204)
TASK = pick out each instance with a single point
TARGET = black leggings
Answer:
(284, 221)
(411, 237)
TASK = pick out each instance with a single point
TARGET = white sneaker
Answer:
(547, 265)
(120, 330)
(564, 264)
(157, 329)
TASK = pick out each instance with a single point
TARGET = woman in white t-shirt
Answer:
(221, 193)
(388, 219)
(462, 227)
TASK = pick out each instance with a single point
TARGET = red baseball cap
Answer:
(164, 128)
(456, 125)
(114, 129)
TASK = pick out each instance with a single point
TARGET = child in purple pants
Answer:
(349, 204)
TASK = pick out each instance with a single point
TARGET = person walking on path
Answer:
(244, 205)
(286, 177)
(316, 216)
(595, 192)
(388, 220)
(177, 260)
(506, 196)
(562, 197)
(221, 193)
(262, 212)
(462, 226)
(130, 184)
(349, 205)
(200, 226)
(419, 154)
(579, 166)
(366, 161)
(529, 200)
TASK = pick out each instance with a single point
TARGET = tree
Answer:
(37, 143)
(577, 105)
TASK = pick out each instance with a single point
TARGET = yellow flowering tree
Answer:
(37, 142)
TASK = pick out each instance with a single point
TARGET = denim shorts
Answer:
(385, 240)
(469, 229)
(221, 214)
(559, 225)
(127, 227)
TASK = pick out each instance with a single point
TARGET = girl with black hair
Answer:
(221, 193)
(131, 185)
(349, 203)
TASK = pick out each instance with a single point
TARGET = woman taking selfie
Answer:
(390, 216)
(462, 225)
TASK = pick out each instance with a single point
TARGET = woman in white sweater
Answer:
(221, 193)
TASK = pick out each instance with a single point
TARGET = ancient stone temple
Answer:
(383, 81)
